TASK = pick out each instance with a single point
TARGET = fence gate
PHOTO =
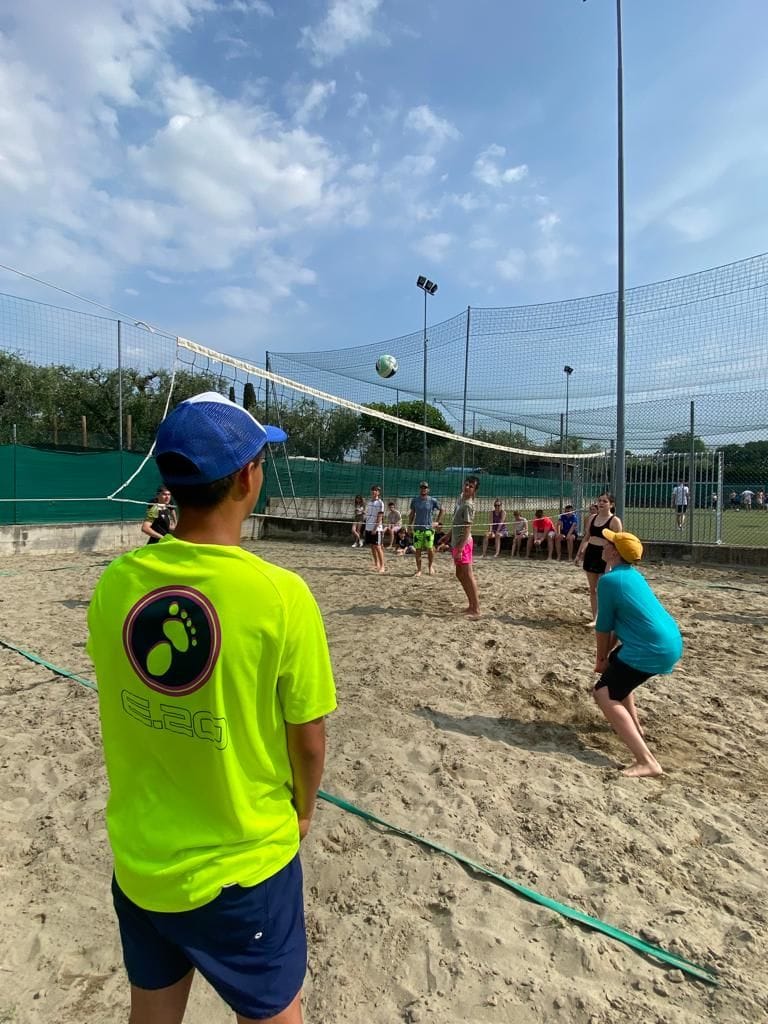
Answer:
(651, 501)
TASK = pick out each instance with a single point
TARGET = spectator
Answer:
(680, 502)
(746, 499)
(543, 529)
(498, 528)
(214, 681)
(520, 535)
(358, 524)
(392, 525)
(404, 542)
(567, 530)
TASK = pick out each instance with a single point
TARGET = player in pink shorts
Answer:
(462, 545)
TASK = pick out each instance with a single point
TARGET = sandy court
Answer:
(479, 735)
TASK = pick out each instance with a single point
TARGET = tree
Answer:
(409, 444)
(680, 444)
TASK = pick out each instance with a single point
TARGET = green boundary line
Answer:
(687, 966)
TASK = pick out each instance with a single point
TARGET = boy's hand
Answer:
(304, 826)
(601, 664)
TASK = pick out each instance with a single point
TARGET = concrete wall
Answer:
(70, 538)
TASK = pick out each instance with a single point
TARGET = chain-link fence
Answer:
(696, 399)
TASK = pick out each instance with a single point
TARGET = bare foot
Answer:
(381, 570)
(417, 573)
(643, 771)
(472, 615)
(431, 570)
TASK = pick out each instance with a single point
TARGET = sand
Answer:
(479, 735)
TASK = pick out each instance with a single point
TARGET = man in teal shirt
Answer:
(636, 638)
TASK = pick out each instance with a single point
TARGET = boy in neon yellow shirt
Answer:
(214, 680)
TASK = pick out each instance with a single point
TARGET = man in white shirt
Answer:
(374, 527)
(680, 502)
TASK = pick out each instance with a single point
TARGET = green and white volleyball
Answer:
(386, 366)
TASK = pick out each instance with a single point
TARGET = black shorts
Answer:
(620, 678)
(682, 509)
(593, 559)
(373, 536)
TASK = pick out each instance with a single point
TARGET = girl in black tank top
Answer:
(591, 549)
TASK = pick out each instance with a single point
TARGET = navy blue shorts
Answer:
(250, 944)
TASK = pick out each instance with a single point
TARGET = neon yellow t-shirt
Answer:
(202, 652)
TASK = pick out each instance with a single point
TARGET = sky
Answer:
(274, 174)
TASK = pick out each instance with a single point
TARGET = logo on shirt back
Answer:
(172, 637)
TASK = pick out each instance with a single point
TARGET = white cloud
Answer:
(416, 165)
(553, 254)
(358, 101)
(253, 7)
(131, 291)
(210, 182)
(512, 266)
(482, 244)
(488, 170)
(314, 102)
(424, 121)
(434, 247)
(276, 278)
(346, 24)
(467, 202)
(695, 223)
(548, 222)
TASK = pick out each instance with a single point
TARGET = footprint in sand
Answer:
(179, 636)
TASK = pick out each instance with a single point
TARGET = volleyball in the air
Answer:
(386, 366)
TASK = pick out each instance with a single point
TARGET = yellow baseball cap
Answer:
(627, 544)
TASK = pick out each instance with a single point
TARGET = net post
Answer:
(720, 496)
(562, 458)
(14, 441)
(692, 477)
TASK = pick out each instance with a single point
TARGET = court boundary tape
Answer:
(595, 924)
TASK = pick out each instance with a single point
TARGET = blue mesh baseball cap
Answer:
(216, 436)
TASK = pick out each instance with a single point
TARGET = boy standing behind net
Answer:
(214, 680)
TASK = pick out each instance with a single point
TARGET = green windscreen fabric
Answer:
(46, 475)
(37, 473)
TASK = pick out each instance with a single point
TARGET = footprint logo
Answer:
(179, 636)
(172, 638)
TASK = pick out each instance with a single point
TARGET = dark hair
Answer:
(539, 513)
(610, 497)
(161, 490)
(472, 480)
(193, 495)
(359, 497)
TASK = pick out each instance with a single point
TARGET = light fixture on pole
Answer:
(567, 370)
(429, 288)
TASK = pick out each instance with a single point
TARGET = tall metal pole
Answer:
(424, 392)
(621, 446)
(464, 404)
(567, 382)
(691, 476)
